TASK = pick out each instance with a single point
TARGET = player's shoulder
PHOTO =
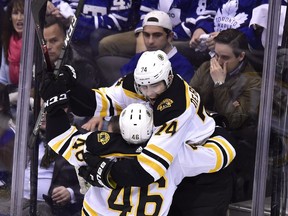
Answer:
(127, 84)
(99, 142)
(172, 103)
(110, 144)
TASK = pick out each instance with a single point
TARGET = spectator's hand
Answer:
(50, 7)
(95, 123)
(60, 195)
(210, 43)
(53, 92)
(194, 42)
(52, 10)
(97, 172)
(218, 74)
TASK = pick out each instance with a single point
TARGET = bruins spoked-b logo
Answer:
(166, 103)
(103, 138)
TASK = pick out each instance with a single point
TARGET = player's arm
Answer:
(82, 100)
(147, 167)
(214, 155)
(65, 139)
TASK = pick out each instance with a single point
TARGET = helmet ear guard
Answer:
(136, 123)
(153, 67)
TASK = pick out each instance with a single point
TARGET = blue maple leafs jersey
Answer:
(234, 14)
(108, 14)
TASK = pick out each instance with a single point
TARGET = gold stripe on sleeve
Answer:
(88, 209)
(105, 103)
(219, 156)
(161, 152)
(226, 146)
(151, 164)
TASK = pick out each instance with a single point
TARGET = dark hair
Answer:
(235, 39)
(51, 20)
(114, 123)
(8, 25)
(4, 101)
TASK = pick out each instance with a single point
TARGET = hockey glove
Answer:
(220, 120)
(97, 172)
(69, 75)
(53, 93)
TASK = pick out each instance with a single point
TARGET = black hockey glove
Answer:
(220, 120)
(97, 172)
(69, 75)
(53, 92)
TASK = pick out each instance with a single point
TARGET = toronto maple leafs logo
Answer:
(228, 18)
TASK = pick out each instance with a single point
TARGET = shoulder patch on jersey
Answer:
(174, 98)
(166, 103)
(161, 57)
(103, 138)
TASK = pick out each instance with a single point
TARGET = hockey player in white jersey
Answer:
(136, 127)
(178, 113)
(178, 116)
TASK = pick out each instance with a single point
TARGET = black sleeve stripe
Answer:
(111, 109)
(85, 212)
(67, 143)
(224, 153)
(156, 157)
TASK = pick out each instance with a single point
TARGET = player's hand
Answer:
(69, 75)
(95, 123)
(53, 91)
(97, 172)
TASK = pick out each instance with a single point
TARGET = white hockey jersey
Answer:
(154, 199)
(178, 117)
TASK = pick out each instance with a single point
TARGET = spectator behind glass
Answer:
(7, 134)
(58, 190)
(11, 50)
(183, 14)
(234, 14)
(158, 35)
(98, 19)
(12, 43)
(229, 85)
(54, 34)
